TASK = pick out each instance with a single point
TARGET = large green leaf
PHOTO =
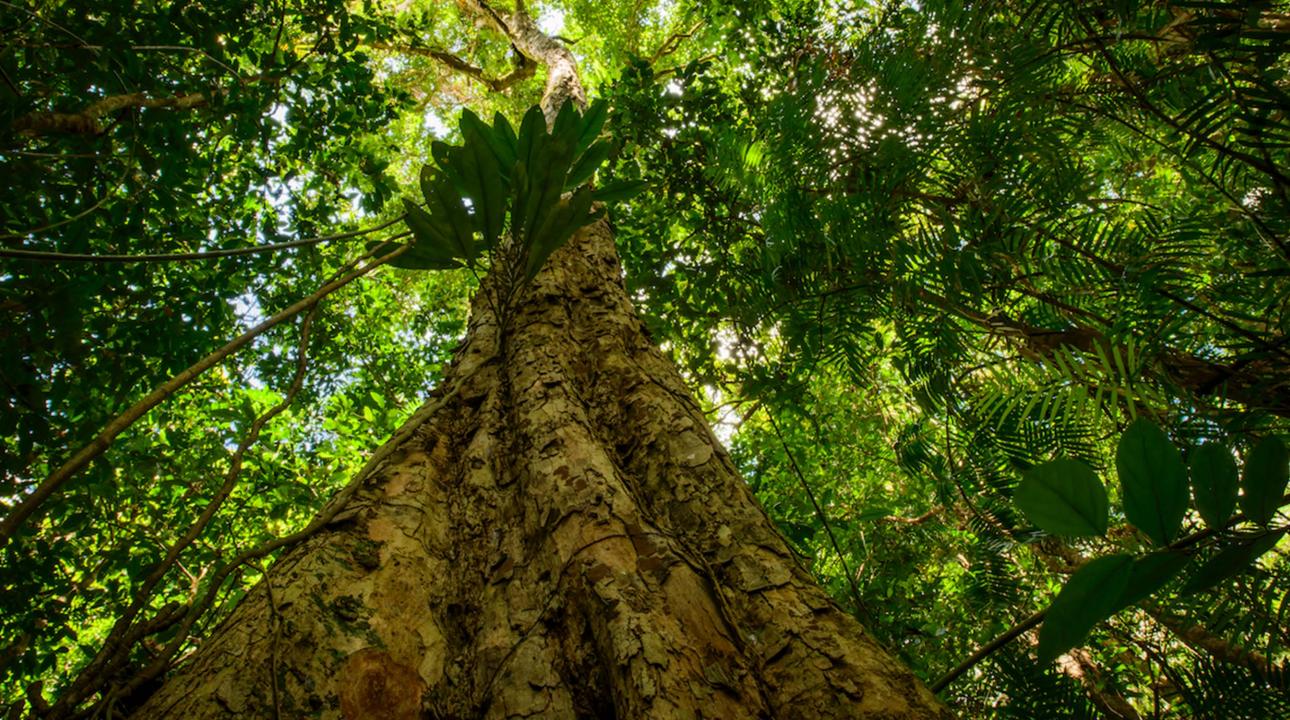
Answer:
(503, 151)
(1150, 573)
(416, 258)
(481, 178)
(443, 154)
(1213, 483)
(490, 209)
(619, 190)
(545, 184)
(445, 201)
(506, 135)
(568, 124)
(1063, 497)
(431, 238)
(532, 131)
(1267, 467)
(592, 122)
(1089, 597)
(586, 165)
(1153, 481)
(558, 226)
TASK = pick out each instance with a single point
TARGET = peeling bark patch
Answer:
(372, 686)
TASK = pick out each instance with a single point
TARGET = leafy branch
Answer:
(30, 502)
(47, 255)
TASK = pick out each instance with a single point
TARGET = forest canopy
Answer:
(988, 301)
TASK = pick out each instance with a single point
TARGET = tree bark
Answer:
(562, 537)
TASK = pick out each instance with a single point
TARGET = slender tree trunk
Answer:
(561, 537)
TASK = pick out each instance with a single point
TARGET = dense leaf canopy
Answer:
(985, 296)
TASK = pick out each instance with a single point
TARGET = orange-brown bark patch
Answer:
(372, 686)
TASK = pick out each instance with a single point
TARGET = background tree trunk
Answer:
(562, 537)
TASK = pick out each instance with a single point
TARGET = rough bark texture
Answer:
(563, 537)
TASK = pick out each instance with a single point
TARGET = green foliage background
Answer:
(906, 251)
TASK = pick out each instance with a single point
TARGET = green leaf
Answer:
(1089, 597)
(445, 202)
(521, 196)
(426, 178)
(414, 258)
(619, 190)
(502, 151)
(532, 131)
(442, 153)
(568, 123)
(1267, 468)
(593, 121)
(1213, 483)
(1149, 574)
(506, 134)
(586, 165)
(1231, 561)
(1153, 481)
(477, 176)
(546, 182)
(558, 226)
(1063, 497)
(431, 239)
(490, 205)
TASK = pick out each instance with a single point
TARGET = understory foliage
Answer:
(990, 299)
(927, 250)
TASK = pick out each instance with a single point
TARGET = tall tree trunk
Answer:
(562, 536)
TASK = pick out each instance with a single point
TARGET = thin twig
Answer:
(1008, 635)
(986, 650)
(45, 255)
(50, 23)
(819, 512)
(673, 42)
(116, 648)
(129, 161)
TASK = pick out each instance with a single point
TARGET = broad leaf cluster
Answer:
(530, 186)
(1064, 497)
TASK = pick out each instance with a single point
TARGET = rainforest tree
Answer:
(327, 397)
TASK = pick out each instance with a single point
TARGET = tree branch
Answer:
(485, 12)
(917, 520)
(562, 82)
(115, 651)
(524, 68)
(96, 447)
(86, 122)
(1008, 635)
(819, 512)
(673, 43)
(181, 257)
